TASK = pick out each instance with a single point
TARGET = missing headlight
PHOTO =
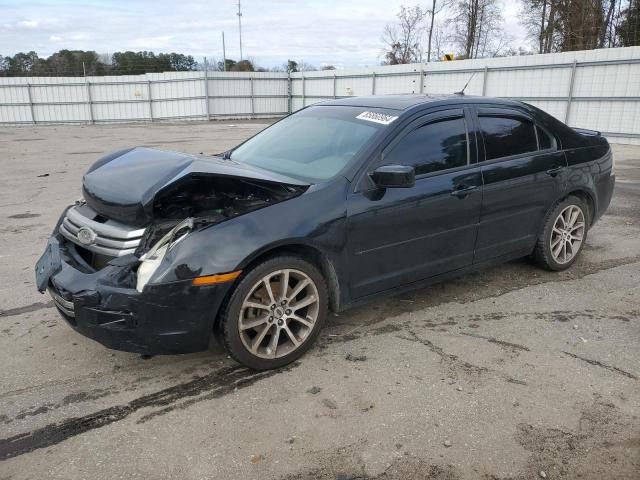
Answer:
(151, 260)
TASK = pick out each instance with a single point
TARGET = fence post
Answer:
(89, 101)
(373, 83)
(289, 92)
(33, 117)
(253, 106)
(303, 91)
(150, 102)
(206, 88)
(421, 79)
(484, 81)
(570, 94)
(334, 85)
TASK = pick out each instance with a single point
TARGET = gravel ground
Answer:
(512, 372)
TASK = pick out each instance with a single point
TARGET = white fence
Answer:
(597, 89)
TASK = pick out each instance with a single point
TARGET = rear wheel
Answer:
(275, 313)
(563, 235)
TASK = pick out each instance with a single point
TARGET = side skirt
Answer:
(435, 279)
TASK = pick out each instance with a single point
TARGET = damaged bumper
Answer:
(105, 306)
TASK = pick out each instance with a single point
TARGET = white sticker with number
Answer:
(376, 117)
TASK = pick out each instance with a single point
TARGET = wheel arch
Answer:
(587, 197)
(309, 252)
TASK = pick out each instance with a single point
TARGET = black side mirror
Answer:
(394, 176)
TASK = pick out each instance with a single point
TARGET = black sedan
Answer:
(332, 206)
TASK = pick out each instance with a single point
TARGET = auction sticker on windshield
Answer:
(376, 117)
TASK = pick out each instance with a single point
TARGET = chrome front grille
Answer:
(81, 225)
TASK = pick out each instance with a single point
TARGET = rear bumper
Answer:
(104, 305)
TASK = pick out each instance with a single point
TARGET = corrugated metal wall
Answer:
(597, 89)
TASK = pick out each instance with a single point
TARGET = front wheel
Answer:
(563, 235)
(275, 313)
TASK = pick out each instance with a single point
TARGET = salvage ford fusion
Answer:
(332, 206)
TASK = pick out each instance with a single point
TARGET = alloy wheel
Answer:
(279, 313)
(567, 234)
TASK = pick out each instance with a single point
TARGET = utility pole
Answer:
(240, 28)
(224, 55)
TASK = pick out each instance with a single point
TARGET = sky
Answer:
(345, 33)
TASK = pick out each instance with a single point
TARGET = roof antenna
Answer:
(461, 92)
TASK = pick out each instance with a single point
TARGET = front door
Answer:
(397, 236)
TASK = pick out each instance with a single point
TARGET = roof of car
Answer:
(405, 101)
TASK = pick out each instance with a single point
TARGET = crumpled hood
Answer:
(123, 184)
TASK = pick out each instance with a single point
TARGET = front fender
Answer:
(316, 218)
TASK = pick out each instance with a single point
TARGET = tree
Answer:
(629, 28)
(227, 66)
(74, 63)
(243, 66)
(328, 67)
(291, 66)
(297, 66)
(539, 18)
(23, 63)
(178, 62)
(402, 39)
(478, 28)
(436, 8)
(566, 25)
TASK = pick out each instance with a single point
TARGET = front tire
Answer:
(563, 235)
(275, 313)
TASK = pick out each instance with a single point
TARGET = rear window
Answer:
(506, 136)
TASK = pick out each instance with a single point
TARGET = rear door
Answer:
(401, 235)
(523, 173)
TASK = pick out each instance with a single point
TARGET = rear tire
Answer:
(563, 234)
(275, 313)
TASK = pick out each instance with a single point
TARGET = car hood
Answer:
(123, 185)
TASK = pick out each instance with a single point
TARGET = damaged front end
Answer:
(108, 259)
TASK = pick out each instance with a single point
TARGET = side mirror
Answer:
(394, 176)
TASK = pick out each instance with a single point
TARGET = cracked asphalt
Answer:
(501, 374)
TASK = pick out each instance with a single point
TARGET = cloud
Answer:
(28, 24)
(337, 32)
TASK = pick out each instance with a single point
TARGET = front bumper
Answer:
(105, 306)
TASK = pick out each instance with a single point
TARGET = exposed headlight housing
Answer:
(151, 260)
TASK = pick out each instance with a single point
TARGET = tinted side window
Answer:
(504, 136)
(432, 147)
(545, 140)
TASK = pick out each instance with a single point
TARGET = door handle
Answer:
(463, 191)
(552, 172)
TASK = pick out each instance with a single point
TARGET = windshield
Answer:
(314, 144)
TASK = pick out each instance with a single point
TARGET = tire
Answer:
(558, 247)
(260, 331)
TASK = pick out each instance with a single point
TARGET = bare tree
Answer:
(402, 39)
(478, 28)
(436, 8)
(439, 39)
